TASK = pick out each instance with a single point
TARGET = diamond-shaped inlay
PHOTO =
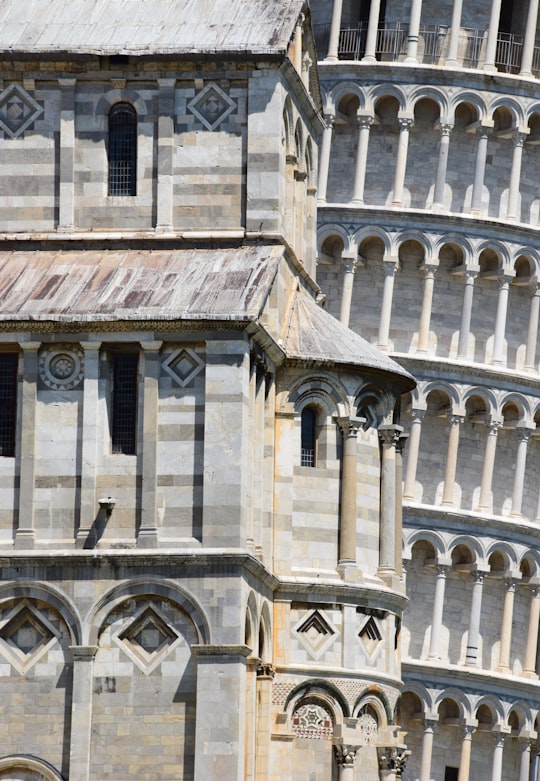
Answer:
(18, 110)
(371, 636)
(211, 106)
(183, 365)
(26, 636)
(316, 633)
(148, 639)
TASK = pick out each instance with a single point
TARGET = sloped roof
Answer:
(147, 26)
(110, 285)
(315, 335)
(220, 285)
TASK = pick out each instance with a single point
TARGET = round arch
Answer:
(27, 764)
(150, 586)
(30, 590)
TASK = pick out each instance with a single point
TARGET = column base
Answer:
(164, 229)
(348, 571)
(529, 674)
(452, 64)
(65, 228)
(503, 669)
(25, 539)
(331, 58)
(147, 538)
(390, 578)
(490, 68)
(369, 59)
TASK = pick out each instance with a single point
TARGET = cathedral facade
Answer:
(200, 467)
(428, 247)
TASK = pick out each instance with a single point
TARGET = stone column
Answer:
(440, 181)
(437, 615)
(345, 756)
(66, 152)
(165, 156)
(25, 533)
(265, 677)
(493, 32)
(513, 210)
(297, 50)
(349, 268)
(414, 29)
(506, 628)
(364, 125)
(528, 42)
(400, 447)
(347, 538)
(220, 730)
(525, 760)
(455, 29)
(529, 665)
(372, 31)
(81, 712)
(148, 531)
(389, 436)
(427, 748)
(532, 333)
(324, 159)
(89, 443)
(465, 756)
(427, 301)
(405, 124)
(484, 133)
(390, 268)
(412, 455)
(484, 502)
(523, 435)
(335, 27)
(496, 764)
(471, 654)
(466, 313)
(451, 460)
(500, 319)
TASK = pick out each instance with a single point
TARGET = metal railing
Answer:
(433, 41)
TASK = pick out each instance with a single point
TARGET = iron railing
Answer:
(433, 41)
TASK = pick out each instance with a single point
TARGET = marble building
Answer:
(200, 467)
(429, 244)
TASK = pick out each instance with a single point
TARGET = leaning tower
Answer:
(429, 246)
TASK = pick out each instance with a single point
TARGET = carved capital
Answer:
(446, 129)
(390, 434)
(345, 754)
(405, 123)
(266, 670)
(393, 758)
(390, 267)
(350, 427)
(365, 120)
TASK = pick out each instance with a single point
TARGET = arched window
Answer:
(122, 150)
(308, 436)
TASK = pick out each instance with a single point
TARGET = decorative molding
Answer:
(211, 106)
(18, 110)
(61, 366)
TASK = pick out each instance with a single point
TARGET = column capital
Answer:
(389, 434)
(330, 118)
(523, 433)
(446, 128)
(455, 420)
(484, 130)
(351, 264)
(350, 426)
(365, 120)
(405, 123)
(468, 730)
(493, 427)
(519, 137)
(478, 575)
(430, 722)
(345, 754)
(393, 758)
(390, 267)
(504, 279)
(265, 671)
(418, 414)
(83, 653)
(402, 441)
(429, 268)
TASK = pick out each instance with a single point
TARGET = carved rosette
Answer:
(61, 366)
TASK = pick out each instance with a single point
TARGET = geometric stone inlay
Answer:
(61, 366)
(316, 633)
(18, 110)
(183, 365)
(312, 720)
(25, 636)
(148, 639)
(368, 729)
(211, 106)
(371, 636)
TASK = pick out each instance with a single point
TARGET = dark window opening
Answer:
(451, 773)
(124, 404)
(8, 403)
(122, 150)
(309, 419)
